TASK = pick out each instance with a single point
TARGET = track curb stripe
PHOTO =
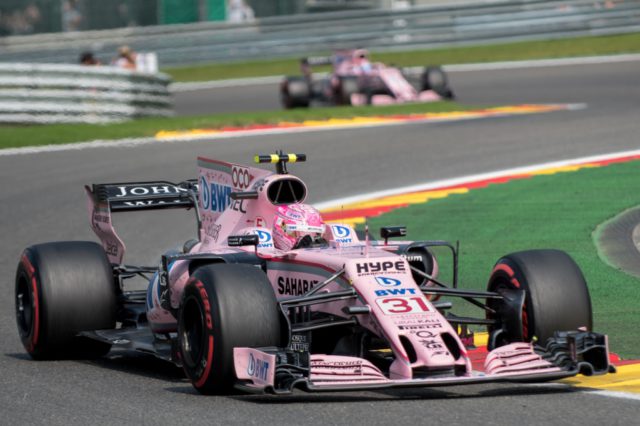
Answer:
(361, 122)
(356, 211)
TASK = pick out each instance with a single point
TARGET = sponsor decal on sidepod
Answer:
(214, 197)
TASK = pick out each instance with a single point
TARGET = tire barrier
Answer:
(52, 93)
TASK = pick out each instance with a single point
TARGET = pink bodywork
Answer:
(353, 65)
(402, 90)
(399, 311)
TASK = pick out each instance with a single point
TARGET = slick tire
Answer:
(224, 306)
(434, 78)
(347, 86)
(62, 289)
(556, 294)
(295, 93)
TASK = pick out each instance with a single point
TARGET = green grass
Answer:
(559, 211)
(20, 136)
(568, 47)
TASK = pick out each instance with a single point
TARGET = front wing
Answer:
(280, 372)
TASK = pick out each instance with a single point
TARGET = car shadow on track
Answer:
(142, 365)
(128, 362)
(463, 392)
(152, 367)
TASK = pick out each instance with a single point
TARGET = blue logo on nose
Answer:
(341, 231)
(388, 282)
(264, 237)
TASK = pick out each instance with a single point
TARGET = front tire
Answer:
(556, 294)
(224, 306)
(62, 289)
(434, 78)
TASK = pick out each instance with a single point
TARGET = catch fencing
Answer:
(52, 93)
(434, 26)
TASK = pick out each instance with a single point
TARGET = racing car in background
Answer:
(354, 80)
(268, 298)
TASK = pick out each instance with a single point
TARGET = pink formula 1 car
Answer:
(269, 298)
(355, 80)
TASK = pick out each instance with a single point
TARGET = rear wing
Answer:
(317, 60)
(132, 196)
(312, 61)
(105, 198)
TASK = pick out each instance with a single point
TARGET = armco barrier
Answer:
(53, 93)
(440, 25)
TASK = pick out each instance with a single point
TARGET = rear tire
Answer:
(556, 294)
(295, 93)
(62, 289)
(434, 78)
(224, 306)
(347, 86)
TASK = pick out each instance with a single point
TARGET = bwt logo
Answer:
(388, 282)
(214, 197)
(341, 231)
(395, 292)
(264, 239)
(258, 368)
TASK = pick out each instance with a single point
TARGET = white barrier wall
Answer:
(52, 93)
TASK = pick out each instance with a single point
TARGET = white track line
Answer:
(591, 391)
(615, 394)
(471, 179)
(274, 79)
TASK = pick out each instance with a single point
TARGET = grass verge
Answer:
(558, 211)
(568, 47)
(21, 136)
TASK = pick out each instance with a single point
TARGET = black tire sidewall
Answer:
(294, 100)
(72, 290)
(240, 310)
(27, 282)
(556, 294)
(441, 89)
(347, 86)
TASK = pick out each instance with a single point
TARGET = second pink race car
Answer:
(355, 80)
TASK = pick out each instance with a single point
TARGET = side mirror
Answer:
(243, 240)
(387, 232)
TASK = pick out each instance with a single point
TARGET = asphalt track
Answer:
(41, 199)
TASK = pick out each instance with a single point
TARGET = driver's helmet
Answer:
(361, 55)
(361, 61)
(295, 224)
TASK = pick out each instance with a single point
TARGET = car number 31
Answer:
(402, 305)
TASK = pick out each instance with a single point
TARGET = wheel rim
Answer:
(503, 283)
(436, 79)
(193, 331)
(24, 307)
